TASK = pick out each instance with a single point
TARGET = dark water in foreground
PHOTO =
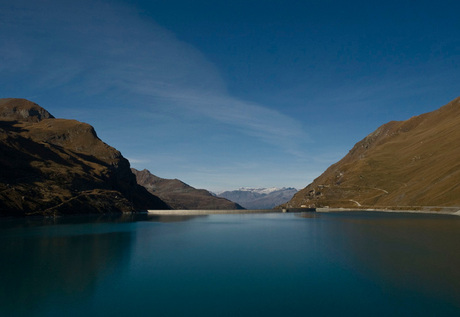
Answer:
(360, 264)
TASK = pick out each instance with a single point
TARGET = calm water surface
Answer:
(309, 264)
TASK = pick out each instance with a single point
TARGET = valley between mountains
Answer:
(55, 166)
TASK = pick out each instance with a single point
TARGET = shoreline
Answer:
(451, 210)
(184, 212)
(188, 212)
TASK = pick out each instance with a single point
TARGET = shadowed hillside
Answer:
(179, 195)
(411, 163)
(57, 166)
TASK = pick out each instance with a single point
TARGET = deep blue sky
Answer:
(226, 94)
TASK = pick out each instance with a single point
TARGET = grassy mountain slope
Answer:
(403, 163)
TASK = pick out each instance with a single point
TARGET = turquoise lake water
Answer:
(302, 264)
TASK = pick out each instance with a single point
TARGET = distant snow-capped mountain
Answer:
(259, 198)
(261, 190)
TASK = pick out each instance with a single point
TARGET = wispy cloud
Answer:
(97, 49)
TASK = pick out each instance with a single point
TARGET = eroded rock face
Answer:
(59, 166)
(22, 110)
(413, 163)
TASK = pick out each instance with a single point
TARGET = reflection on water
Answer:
(298, 264)
(307, 215)
(419, 253)
(42, 263)
(178, 218)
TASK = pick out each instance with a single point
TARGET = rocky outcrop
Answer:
(22, 110)
(179, 195)
(413, 163)
(57, 166)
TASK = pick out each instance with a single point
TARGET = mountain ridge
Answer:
(259, 198)
(180, 195)
(259, 190)
(55, 166)
(413, 163)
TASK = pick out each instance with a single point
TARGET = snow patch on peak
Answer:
(265, 191)
(261, 190)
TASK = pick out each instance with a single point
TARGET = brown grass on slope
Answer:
(408, 163)
(57, 166)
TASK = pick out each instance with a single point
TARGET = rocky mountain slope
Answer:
(54, 166)
(180, 195)
(411, 163)
(259, 198)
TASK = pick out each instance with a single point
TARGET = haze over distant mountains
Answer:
(179, 195)
(410, 163)
(259, 198)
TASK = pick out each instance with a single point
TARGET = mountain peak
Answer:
(180, 195)
(18, 109)
(259, 198)
(60, 166)
(263, 190)
(411, 163)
